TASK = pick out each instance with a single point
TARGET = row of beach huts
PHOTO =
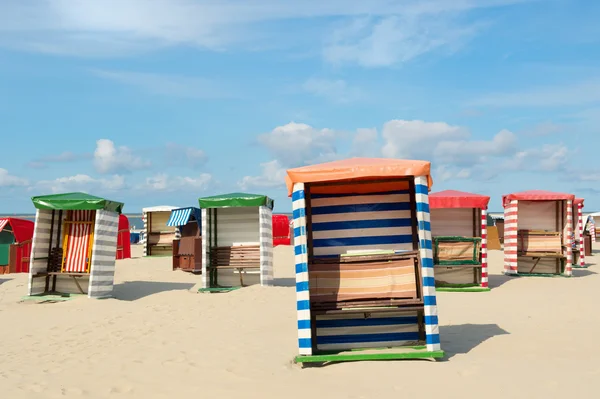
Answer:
(372, 246)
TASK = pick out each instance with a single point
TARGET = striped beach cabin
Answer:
(74, 245)
(459, 230)
(158, 236)
(364, 266)
(187, 245)
(237, 241)
(538, 233)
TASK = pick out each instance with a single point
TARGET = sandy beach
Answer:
(529, 337)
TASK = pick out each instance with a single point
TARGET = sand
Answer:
(527, 338)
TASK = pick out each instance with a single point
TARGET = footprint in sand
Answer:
(72, 391)
(121, 389)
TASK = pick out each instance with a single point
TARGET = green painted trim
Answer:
(580, 267)
(348, 357)
(235, 200)
(462, 289)
(218, 289)
(523, 274)
(51, 297)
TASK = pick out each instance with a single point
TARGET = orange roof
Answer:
(357, 169)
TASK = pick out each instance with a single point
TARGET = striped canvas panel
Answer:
(343, 224)
(179, 217)
(205, 248)
(3, 222)
(510, 237)
(78, 241)
(347, 282)
(568, 237)
(530, 242)
(432, 331)
(145, 220)
(301, 263)
(579, 228)
(359, 331)
(238, 226)
(104, 249)
(39, 249)
(266, 246)
(484, 261)
(457, 251)
(452, 222)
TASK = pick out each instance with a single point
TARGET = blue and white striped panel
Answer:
(346, 223)
(359, 331)
(432, 331)
(301, 261)
(179, 217)
(205, 247)
(266, 245)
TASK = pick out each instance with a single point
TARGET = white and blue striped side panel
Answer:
(266, 245)
(346, 223)
(104, 251)
(432, 331)
(355, 331)
(205, 248)
(145, 242)
(301, 261)
(179, 217)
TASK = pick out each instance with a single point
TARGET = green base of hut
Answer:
(409, 352)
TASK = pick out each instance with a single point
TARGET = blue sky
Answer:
(161, 102)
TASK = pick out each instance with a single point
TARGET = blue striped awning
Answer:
(181, 217)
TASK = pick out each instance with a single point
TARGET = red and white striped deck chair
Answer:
(78, 241)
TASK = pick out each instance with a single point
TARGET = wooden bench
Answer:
(375, 281)
(540, 244)
(239, 258)
(54, 270)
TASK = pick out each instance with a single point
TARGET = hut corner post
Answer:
(145, 220)
(484, 261)
(581, 239)
(301, 262)
(569, 240)
(104, 249)
(266, 245)
(39, 251)
(205, 247)
(510, 238)
(432, 332)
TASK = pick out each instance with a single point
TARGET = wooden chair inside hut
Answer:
(541, 245)
(70, 247)
(364, 267)
(187, 249)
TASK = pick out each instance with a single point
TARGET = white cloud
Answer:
(63, 157)
(168, 85)
(81, 182)
(471, 152)
(365, 143)
(8, 180)
(165, 183)
(416, 138)
(544, 129)
(444, 173)
(337, 91)
(402, 30)
(547, 158)
(295, 144)
(273, 175)
(110, 159)
(395, 39)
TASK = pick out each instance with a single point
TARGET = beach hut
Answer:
(15, 245)
(459, 231)
(187, 246)
(578, 246)
(281, 230)
(123, 239)
(364, 266)
(237, 241)
(538, 233)
(158, 237)
(74, 245)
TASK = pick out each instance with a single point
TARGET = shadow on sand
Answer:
(4, 280)
(582, 272)
(134, 290)
(461, 339)
(496, 280)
